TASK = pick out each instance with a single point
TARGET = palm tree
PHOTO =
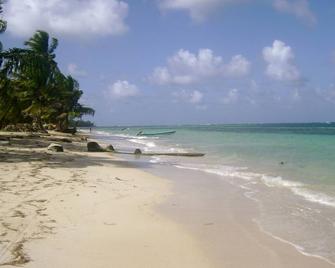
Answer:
(33, 70)
(34, 87)
(66, 103)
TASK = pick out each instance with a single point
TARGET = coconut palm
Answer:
(33, 82)
(33, 71)
(65, 105)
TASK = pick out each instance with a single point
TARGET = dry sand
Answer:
(77, 209)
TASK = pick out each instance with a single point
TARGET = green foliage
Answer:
(33, 89)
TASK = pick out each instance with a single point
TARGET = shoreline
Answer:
(202, 203)
(285, 212)
(79, 209)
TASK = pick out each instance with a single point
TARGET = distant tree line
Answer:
(33, 90)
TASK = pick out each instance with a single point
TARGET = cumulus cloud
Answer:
(238, 66)
(231, 97)
(198, 9)
(299, 8)
(185, 67)
(122, 89)
(280, 62)
(83, 18)
(194, 97)
(74, 70)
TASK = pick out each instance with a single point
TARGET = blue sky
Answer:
(191, 61)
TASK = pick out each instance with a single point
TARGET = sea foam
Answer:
(297, 188)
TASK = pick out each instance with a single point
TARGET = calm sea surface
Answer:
(288, 170)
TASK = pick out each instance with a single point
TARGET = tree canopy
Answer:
(34, 90)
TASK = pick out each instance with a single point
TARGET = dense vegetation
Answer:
(33, 90)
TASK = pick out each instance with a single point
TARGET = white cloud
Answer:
(122, 89)
(231, 97)
(238, 66)
(161, 76)
(185, 67)
(74, 70)
(280, 60)
(198, 9)
(78, 18)
(299, 8)
(194, 97)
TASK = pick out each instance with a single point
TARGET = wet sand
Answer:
(223, 219)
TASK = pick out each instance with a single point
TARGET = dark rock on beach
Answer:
(93, 146)
(137, 151)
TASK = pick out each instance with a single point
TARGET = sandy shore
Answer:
(219, 215)
(78, 209)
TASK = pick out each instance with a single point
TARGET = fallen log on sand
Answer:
(164, 154)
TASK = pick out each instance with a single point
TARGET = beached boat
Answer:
(156, 134)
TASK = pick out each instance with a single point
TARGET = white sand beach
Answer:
(76, 209)
(80, 209)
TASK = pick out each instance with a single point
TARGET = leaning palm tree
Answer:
(66, 104)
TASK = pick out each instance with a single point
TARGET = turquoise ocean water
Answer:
(288, 170)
